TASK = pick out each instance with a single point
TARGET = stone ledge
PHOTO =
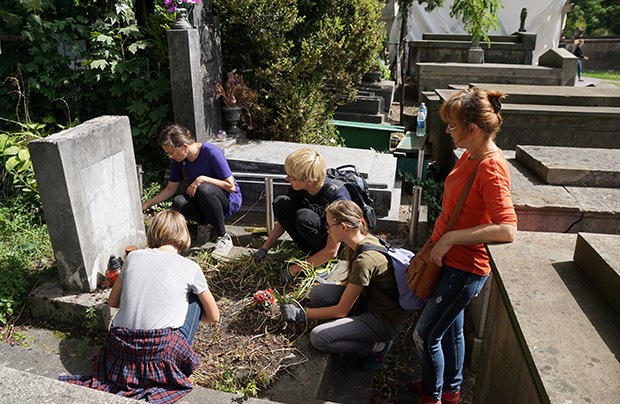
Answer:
(566, 336)
(572, 165)
(598, 256)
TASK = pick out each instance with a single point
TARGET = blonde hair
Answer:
(168, 228)
(477, 106)
(306, 164)
(174, 136)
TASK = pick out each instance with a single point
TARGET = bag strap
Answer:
(461, 201)
(383, 249)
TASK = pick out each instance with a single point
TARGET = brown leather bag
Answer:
(423, 273)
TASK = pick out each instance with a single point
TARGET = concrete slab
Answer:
(554, 208)
(555, 125)
(598, 256)
(566, 337)
(51, 302)
(577, 166)
(255, 160)
(556, 95)
(600, 208)
(21, 387)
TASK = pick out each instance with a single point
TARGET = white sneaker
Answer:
(223, 245)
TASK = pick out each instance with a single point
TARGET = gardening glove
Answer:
(292, 313)
(260, 254)
(286, 276)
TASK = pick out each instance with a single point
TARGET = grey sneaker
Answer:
(223, 245)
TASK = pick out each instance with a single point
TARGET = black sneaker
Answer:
(375, 360)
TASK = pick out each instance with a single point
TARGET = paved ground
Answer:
(589, 81)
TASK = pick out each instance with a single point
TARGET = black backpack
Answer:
(349, 177)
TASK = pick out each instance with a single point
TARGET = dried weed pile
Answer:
(251, 344)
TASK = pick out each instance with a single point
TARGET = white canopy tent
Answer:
(544, 18)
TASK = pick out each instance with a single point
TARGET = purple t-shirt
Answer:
(212, 163)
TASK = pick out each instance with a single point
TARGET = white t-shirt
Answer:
(155, 290)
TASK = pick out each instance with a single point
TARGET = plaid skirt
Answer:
(142, 364)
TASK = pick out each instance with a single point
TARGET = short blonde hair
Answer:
(306, 164)
(168, 228)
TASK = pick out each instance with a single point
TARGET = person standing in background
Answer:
(580, 56)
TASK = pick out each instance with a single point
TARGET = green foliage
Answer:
(432, 192)
(86, 59)
(595, 17)
(25, 252)
(292, 49)
(478, 16)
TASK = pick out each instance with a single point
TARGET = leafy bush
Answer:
(80, 59)
(291, 51)
(25, 253)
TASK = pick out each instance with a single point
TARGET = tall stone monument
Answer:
(88, 184)
(195, 58)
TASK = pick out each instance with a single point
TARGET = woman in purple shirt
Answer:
(212, 193)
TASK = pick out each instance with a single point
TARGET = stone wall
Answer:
(454, 48)
(557, 67)
(603, 53)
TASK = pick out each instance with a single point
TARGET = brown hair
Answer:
(168, 228)
(477, 106)
(174, 136)
(306, 164)
(347, 212)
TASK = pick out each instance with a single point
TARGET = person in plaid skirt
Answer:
(161, 297)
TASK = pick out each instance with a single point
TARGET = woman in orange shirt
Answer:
(473, 118)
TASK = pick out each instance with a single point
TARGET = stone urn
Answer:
(182, 22)
(232, 115)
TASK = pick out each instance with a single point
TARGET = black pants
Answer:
(207, 206)
(306, 227)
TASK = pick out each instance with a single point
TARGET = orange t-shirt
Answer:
(488, 201)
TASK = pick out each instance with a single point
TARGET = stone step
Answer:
(356, 117)
(549, 332)
(370, 105)
(556, 208)
(598, 256)
(576, 166)
(21, 387)
(556, 95)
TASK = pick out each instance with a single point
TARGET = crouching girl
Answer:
(366, 317)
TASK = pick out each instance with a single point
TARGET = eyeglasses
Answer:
(290, 178)
(333, 224)
(174, 150)
(450, 128)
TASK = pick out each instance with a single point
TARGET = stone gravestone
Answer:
(88, 184)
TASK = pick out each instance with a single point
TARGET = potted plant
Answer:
(237, 97)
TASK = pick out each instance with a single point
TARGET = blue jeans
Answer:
(438, 335)
(192, 319)
(579, 67)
